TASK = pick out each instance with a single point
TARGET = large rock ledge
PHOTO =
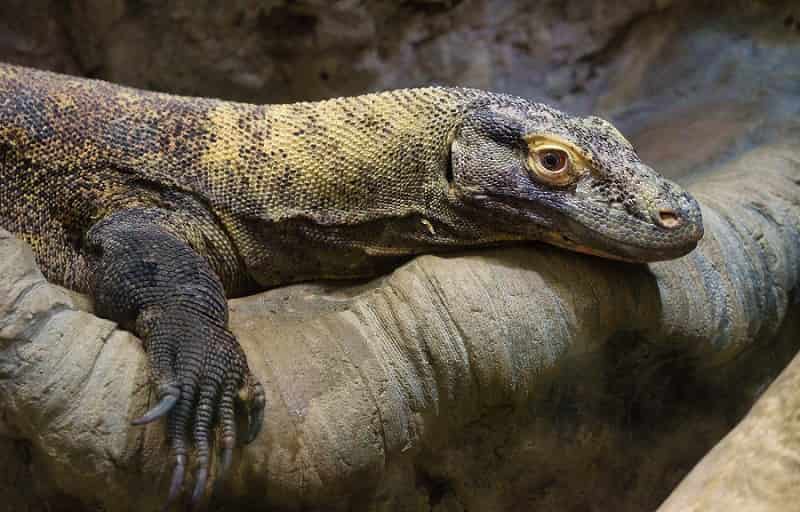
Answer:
(491, 380)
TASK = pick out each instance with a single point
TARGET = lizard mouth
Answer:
(623, 237)
(560, 240)
(631, 254)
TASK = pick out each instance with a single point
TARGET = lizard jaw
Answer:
(640, 241)
(563, 241)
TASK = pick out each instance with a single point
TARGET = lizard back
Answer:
(75, 150)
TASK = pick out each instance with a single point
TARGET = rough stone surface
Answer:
(516, 379)
(755, 467)
(278, 50)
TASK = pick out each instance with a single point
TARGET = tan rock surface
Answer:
(755, 468)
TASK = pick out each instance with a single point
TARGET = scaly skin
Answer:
(161, 206)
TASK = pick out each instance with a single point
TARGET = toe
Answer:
(204, 416)
(227, 421)
(178, 423)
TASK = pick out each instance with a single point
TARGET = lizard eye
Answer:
(551, 165)
(554, 160)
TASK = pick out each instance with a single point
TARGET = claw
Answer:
(227, 459)
(225, 465)
(164, 406)
(200, 486)
(254, 426)
(177, 480)
(256, 414)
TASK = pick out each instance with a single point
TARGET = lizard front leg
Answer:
(146, 276)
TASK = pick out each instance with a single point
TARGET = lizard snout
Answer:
(676, 211)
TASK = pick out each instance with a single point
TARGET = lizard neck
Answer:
(355, 179)
(342, 161)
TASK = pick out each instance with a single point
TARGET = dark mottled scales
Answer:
(159, 206)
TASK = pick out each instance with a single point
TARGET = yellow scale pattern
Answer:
(77, 150)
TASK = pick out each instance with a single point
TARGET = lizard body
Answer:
(160, 206)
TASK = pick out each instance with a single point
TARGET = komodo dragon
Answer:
(159, 207)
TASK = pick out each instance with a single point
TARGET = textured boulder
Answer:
(278, 50)
(755, 467)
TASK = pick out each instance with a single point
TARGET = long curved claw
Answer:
(177, 480)
(226, 458)
(254, 426)
(256, 413)
(225, 463)
(201, 477)
(161, 409)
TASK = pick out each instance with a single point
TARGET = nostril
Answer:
(667, 218)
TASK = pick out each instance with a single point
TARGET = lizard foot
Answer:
(199, 369)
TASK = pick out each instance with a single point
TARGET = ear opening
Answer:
(448, 168)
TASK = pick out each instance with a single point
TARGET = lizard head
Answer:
(572, 181)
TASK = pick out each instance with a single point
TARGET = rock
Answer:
(276, 51)
(753, 468)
